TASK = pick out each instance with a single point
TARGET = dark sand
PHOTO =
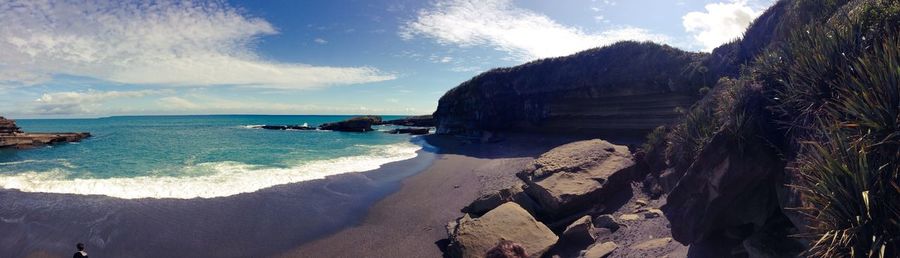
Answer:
(382, 213)
(411, 222)
(258, 224)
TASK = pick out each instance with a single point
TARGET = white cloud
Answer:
(165, 42)
(173, 102)
(197, 104)
(86, 102)
(524, 34)
(720, 24)
(320, 41)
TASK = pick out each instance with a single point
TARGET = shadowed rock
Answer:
(418, 121)
(490, 201)
(355, 124)
(730, 185)
(580, 233)
(412, 131)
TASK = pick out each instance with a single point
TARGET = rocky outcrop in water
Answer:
(8, 127)
(355, 124)
(408, 130)
(417, 121)
(12, 137)
(285, 127)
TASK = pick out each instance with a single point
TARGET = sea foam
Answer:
(226, 178)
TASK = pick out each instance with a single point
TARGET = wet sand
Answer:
(398, 210)
(258, 224)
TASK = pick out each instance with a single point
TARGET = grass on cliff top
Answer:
(851, 160)
(833, 90)
(837, 90)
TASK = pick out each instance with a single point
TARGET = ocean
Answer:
(185, 157)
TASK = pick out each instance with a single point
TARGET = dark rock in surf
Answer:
(412, 131)
(355, 124)
(417, 121)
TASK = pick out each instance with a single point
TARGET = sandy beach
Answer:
(398, 210)
(257, 224)
(411, 222)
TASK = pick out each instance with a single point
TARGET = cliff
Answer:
(624, 87)
(791, 152)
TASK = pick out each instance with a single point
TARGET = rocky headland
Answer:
(750, 151)
(11, 136)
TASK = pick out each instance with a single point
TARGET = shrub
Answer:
(851, 170)
(841, 98)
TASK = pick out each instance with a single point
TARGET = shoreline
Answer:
(397, 210)
(261, 223)
(411, 221)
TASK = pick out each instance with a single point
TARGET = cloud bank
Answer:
(720, 24)
(85, 102)
(165, 42)
(524, 34)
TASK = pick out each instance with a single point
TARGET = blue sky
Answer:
(102, 58)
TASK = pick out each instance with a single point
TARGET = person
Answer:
(81, 253)
(506, 249)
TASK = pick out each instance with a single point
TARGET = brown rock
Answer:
(579, 233)
(12, 137)
(8, 127)
(653, 213)
(472, 237)
(577, 176)
(490, 201)
(652, 244)
(606, 221)
(640, 203)
(599, 250)
(629, 217)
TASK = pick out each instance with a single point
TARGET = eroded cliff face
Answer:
(625, 87)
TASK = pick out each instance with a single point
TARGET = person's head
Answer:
(80, 246)
(506, 249)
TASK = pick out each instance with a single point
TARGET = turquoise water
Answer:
(192, 156)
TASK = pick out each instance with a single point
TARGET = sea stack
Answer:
(11, 136)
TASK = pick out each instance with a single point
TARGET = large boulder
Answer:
(491, 200)
(577, 176)
(599, 250)
(473, 237)
(580, 233)
(732, 184)
(355, 124)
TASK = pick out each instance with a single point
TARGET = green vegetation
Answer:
(828, 98)
(851, 161)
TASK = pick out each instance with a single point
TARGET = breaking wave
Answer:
(223, 178)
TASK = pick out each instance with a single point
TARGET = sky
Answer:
(62, 58)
